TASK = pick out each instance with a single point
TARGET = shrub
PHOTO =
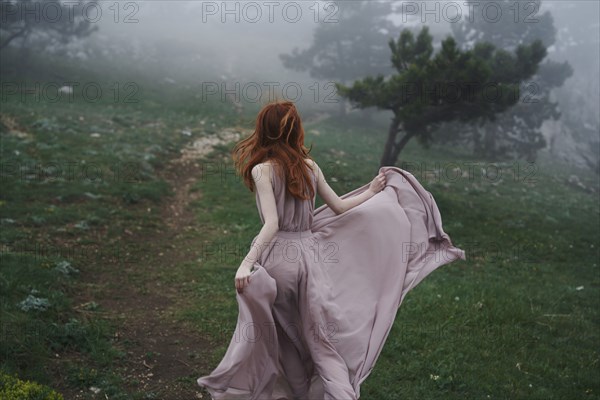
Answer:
(11, 387)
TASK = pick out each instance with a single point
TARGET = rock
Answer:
(574, 181)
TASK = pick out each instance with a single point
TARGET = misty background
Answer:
(200, 46)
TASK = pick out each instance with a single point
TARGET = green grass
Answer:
(78, 177)
(508, 323)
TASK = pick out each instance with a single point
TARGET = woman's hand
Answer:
(378, 183)
(242, 276)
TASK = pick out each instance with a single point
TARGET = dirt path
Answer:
(161, 353)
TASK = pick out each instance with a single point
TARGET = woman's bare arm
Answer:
(339, 205)
(261, 174)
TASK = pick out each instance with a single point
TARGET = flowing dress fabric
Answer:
(325, 291)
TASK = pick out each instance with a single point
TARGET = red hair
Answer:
(278, 137)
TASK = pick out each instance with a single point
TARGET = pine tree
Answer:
(453, 84)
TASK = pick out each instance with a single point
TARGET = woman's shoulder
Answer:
(313, 166)
(312, 163)
(261, 168)
(269, 165)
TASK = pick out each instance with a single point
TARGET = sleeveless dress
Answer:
(323, 296)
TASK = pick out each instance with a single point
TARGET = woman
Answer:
(319, 289)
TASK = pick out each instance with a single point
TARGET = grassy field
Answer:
(517, 320)
(81, 183)
(81, 209)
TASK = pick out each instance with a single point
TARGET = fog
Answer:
(194, 42)
(245, 38)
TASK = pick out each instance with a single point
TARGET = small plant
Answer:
(32, 302)
(82, 225)
(65, 268)
(71, 333)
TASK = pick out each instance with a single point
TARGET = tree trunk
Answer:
(389, 144)
(340, 56)
(398, 148)
(342, 109)
(393, 149)
(552, 142)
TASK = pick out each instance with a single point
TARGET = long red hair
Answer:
(278, 137)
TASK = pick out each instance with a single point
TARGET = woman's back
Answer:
(294, 214)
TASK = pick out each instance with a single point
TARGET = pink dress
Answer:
(324, 294)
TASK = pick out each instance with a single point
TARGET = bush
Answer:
(11, 387)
